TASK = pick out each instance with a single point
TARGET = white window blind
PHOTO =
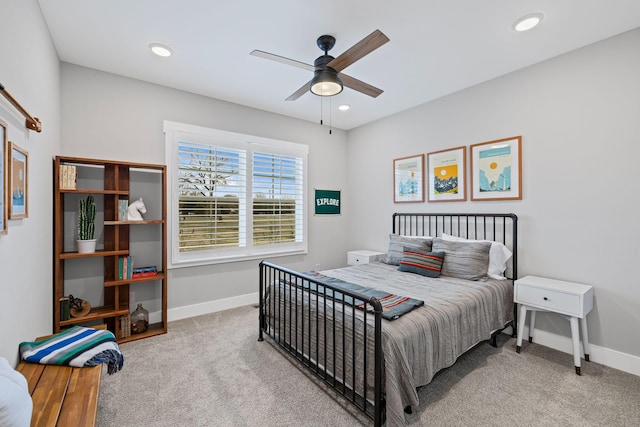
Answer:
(277, 198)
(212, 190)
(234, 196)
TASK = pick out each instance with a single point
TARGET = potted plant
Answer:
(86, 225)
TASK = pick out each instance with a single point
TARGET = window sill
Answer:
(235, 258)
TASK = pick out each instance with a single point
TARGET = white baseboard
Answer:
(605, 356)
(211, 306)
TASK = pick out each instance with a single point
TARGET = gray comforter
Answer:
(457, 314)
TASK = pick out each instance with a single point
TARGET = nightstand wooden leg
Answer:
(522, 316)
(585, 338)
(575, 338)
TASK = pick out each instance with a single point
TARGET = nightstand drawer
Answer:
(363, 257)
(549, 299)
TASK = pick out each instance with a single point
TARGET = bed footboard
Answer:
(336, 334)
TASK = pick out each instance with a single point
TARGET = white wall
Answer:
(579, 115)
(112, 117)
(30, 71)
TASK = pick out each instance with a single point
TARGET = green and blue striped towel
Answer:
(78, 347)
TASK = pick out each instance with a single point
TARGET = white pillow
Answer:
(15, 401)
(499, 254)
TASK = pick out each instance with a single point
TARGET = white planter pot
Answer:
(86, 246)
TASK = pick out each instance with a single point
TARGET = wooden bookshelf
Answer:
(74, 273)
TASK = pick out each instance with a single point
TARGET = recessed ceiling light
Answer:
(528, 22)
(161, 49)
(344, 107)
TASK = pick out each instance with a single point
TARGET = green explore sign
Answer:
(327, 202)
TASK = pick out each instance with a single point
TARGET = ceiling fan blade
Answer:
(282, 59)
(297, 94)
(358, 50)
(360, 86)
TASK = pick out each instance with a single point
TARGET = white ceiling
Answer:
(437, 47)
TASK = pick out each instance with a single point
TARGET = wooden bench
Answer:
(62, 396)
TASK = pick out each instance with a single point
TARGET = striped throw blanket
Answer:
(393, 306)
(77, 346)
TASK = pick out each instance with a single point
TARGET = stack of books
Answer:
(67, 177)
(148, 271)
(64, 309)
(125, 267)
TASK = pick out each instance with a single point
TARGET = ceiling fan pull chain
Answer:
(330, 115)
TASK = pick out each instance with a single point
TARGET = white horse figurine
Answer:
(135, 210)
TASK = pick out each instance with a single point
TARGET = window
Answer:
(233, 197)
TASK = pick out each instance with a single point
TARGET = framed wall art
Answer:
(446, 175)
(496, 169)
(3, 178)
(408, 179)
(18, 182)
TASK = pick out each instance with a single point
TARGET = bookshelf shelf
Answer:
(83, 191)
(159, 276)
(143, 222)
(95, 314)
(95, 277)
(98, 253)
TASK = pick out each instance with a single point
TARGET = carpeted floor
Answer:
(211, 371)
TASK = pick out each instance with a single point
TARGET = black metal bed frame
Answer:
(286, 304)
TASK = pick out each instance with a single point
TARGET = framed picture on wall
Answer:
(408, 179)
(18, 182)
(446, 175)
(3, 178)
(496, 169)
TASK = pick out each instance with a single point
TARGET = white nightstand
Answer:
(363, 257)
(572, 300)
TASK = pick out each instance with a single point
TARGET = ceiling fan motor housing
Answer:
(326, 43)
(321, 62)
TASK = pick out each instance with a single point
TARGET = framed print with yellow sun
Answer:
(447, 181)
(496, 169)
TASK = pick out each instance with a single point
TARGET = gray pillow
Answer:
(398, 243)
(464, 260)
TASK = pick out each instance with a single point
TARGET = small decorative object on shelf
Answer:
(139, 320)
(78, 307)
(86, 225)
(136, 209)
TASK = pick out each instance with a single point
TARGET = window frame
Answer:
(176, 132)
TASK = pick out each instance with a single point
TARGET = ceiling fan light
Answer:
(326, 83)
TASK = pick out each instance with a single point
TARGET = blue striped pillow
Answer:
(424, 263)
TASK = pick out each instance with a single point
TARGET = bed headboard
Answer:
(478, 226)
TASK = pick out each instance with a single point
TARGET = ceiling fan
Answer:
(328, 79)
